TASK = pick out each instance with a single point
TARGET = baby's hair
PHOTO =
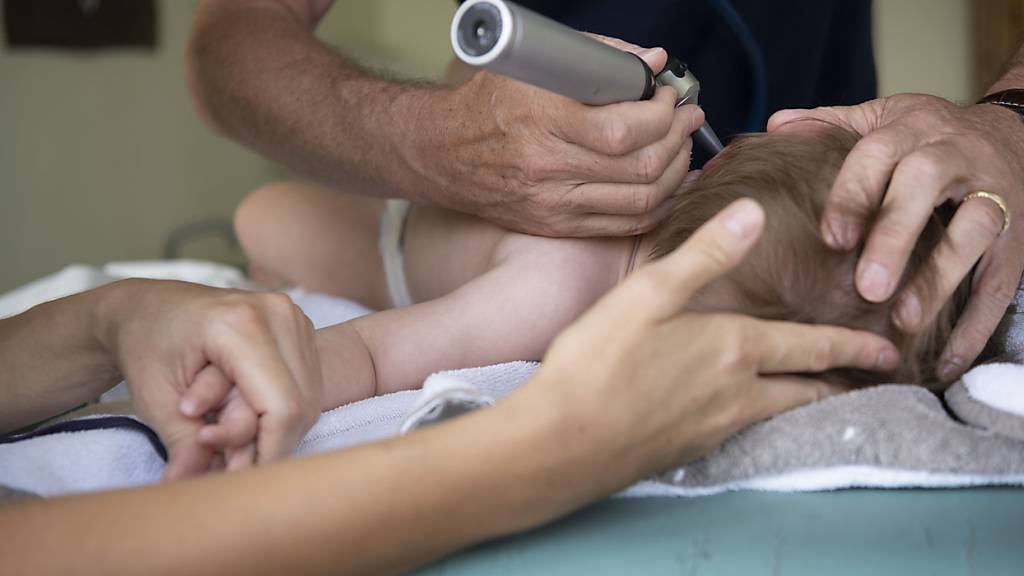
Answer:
(792, 274)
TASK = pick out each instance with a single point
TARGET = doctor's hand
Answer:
(186, 350)
(536, 162)
(917, 152)
(640, 384)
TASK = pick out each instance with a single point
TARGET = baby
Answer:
(457, 291)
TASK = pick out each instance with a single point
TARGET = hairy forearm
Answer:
(259, 75)
(377, 509)
(53, 359)
(1013, 73)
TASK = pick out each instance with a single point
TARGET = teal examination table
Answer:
(977, 531)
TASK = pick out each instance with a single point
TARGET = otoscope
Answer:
(519, 43)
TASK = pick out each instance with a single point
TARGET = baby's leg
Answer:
(315, 237)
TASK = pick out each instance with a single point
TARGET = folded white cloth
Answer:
(444, 397)
(1000, 386)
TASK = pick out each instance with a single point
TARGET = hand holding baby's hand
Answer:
(211, 341)
(229, 437)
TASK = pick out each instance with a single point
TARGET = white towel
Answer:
(111, 459)
(78, 278)
(808, 449)
(82, 461)
(71, 280)
(1000, 386)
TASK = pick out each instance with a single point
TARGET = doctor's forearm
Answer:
(259, 76)
(1013, 73)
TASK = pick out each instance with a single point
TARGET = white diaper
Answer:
(392, 226)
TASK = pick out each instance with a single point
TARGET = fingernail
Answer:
(888, 359)
(742, 218)
(950, 369)
(694, 115)
(830, 237)
(908, 312)
(875, 283)
(840, 233)
(188, 406)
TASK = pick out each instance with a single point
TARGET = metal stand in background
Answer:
(198, 230)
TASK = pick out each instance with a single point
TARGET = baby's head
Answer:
(791, 274)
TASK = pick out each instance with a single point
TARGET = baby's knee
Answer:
(255, 214)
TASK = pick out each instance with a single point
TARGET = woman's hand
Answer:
(646, 385)
(169, 336)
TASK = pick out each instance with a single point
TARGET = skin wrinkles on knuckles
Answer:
(950, 150)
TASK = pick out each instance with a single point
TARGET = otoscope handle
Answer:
(516, 42)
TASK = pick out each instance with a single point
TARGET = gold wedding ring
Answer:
(998, 200)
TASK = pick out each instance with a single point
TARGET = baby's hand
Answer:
(232, 430)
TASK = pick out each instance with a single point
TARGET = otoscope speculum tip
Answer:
(705, 136)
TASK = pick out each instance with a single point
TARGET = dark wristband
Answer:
(1012, 99)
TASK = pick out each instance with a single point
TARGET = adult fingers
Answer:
(236, 425)
(862, 118)
(630, 199)
(973, 228)
(241, 345)
(791, 347)
(296, 340)
(593, 225)
(996, 283)
(861, 183)
(641, 166)
(659, 290)
(777, 394)
(186, 456)
(616, 129)
(654, 57)
(920, 181)
(208, 391)
(783, 117)
(601, 225)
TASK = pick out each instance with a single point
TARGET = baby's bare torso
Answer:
(483, 295)
(445, 250)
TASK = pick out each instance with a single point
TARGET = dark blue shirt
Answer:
(815, 52)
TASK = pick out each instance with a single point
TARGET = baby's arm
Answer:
(511, 312)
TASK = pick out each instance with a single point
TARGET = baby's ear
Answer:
(714, 161)
(691, 177)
